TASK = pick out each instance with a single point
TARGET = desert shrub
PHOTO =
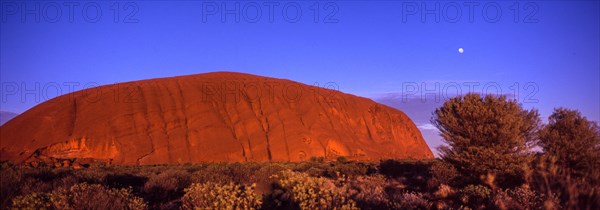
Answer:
(369, 192)
(6, 165)
(38, 180)
(64, 182)
(572, 192)
(475, 195)
(15, 180)
(10, 183)
(32, 185)
(33, 201)
(341, 159)
(218, 196)
(394, 187)
(81, 196)
(34, 180)
(243, 173)
(317, 168)
(263, 174)
(314, 168)
(125, 179)
(518, 198)
(444, 191)
(409, 200)
(212, 173)
(94, 196)
(278, 198)
(315, 192)
(191, 168)
(402, 168)
(487, 135)
(91, 175)
(442, 173)
(336, 170)
(166, 186)
(43, 174)
(227, 172)
(273, 196)
(317, 159)
(317, 171)
(411, 173)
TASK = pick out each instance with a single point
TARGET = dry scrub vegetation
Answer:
(498, 156)
(389, 184)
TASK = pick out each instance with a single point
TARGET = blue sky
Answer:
(368, 48)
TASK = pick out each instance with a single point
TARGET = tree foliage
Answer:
(571, 141)
(486, 135)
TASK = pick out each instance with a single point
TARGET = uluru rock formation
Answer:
(220, 116)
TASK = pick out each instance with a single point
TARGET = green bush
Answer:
(519, 198)
(224, 173)
(442, 173)
(264, 173)
(91, 175)
(33, 201)
(411, 173)
(369, 192)
(341, 159)
(166, 186)
(218, 196)
(10, 183)
(572, 193)
(81, 196)
(444, 191)
(403, 168)
(475, 195)
(94, 196)
(410, 200)
(317, 159)
(125, 178)
(336, 170)
(315, 192)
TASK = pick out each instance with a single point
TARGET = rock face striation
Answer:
(210, 117)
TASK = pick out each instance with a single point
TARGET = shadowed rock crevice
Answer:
(148, 128)
(74, 118)
(185, 120)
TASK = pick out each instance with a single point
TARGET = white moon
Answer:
(461, 50)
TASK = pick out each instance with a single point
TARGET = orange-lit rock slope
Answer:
(220, 116)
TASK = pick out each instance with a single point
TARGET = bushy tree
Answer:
(569, 166)
(572, 142)
(486, 135)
